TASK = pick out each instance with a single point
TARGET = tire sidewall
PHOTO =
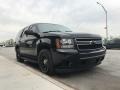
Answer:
(50, 70)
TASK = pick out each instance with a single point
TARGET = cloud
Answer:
(79, 15)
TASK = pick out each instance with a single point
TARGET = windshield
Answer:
(46, 27)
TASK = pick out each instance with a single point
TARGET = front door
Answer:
(30, 42)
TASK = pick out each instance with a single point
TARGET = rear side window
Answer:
(22, 34)
(19, 35)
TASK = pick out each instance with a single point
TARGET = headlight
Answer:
(64, 43)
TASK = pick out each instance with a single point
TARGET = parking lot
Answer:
(104, 77)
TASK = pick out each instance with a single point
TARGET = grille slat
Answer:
(88, 43)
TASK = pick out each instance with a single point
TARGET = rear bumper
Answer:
(74, 58)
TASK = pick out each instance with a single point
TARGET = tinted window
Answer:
(19, 34)
(23, 33)
(33, 28)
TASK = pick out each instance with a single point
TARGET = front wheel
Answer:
(45, 62)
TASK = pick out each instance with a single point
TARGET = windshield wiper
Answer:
(51, 31)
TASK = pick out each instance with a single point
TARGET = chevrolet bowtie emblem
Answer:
(92, 42)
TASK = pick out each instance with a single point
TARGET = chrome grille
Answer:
(88, 43)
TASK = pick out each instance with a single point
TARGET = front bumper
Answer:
(74, 58)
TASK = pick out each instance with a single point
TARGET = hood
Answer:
(72, 35)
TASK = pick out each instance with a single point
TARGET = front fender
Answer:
(43, 43)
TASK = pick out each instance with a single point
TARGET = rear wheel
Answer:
(18, 56)
(45, 62)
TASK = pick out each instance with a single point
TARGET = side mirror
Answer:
(29, 32)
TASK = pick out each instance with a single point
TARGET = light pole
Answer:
(106, 27)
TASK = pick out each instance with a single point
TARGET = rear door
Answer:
(23, 45)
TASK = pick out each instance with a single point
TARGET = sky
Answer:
(79, 15)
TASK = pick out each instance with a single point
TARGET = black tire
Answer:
(18, 56)
(45, 62)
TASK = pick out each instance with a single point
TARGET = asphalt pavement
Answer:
(104, 77)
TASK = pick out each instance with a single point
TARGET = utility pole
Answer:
(106, 27)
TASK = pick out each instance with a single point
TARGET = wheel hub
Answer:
(45, 61)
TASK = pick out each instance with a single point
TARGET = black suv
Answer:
(54, 46)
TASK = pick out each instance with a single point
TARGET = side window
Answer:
(23, 35)
(33, 28)
(19, 35)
